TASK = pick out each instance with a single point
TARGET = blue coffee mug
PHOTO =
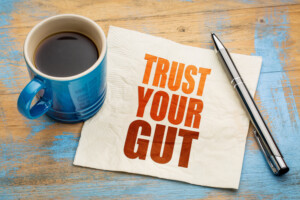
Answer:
(66, 99)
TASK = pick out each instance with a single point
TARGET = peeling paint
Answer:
(274, 91)
(9, 56)
(38, 125)
(64, 147)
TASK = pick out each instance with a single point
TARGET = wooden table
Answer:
(36, 155)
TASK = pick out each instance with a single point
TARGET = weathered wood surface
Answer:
(36, 155)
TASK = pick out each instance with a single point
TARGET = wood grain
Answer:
(36, 155)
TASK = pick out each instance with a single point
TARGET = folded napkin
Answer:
(170, 112)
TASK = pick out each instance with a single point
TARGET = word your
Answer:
(160, 104)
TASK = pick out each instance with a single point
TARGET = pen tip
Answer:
(213, 36)
(217, 43)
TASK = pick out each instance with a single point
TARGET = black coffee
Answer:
(65, 54)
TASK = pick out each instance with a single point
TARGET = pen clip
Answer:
(265, 152)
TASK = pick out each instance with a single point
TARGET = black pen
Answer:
(262, 133)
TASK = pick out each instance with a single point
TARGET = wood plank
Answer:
(131, 9)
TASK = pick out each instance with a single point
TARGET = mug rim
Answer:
(68, 78)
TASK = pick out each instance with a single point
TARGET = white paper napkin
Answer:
(139, 130)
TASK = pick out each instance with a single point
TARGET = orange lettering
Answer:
(172, 117)
(157, 143)
(188, 87)
(187, 140)
(175, 80)
(131, 140)
(204, 72)
(194, 109)
(150, 60)
(161, 72)
(143, 100)
(157, 113)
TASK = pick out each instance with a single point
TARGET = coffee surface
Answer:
(65, 54)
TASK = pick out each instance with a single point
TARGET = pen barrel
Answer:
(265, 138)
(263, 134)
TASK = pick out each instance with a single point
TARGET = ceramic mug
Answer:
(66, 99)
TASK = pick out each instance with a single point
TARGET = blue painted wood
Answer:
(8, 55)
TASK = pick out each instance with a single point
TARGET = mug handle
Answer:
(26, 97)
